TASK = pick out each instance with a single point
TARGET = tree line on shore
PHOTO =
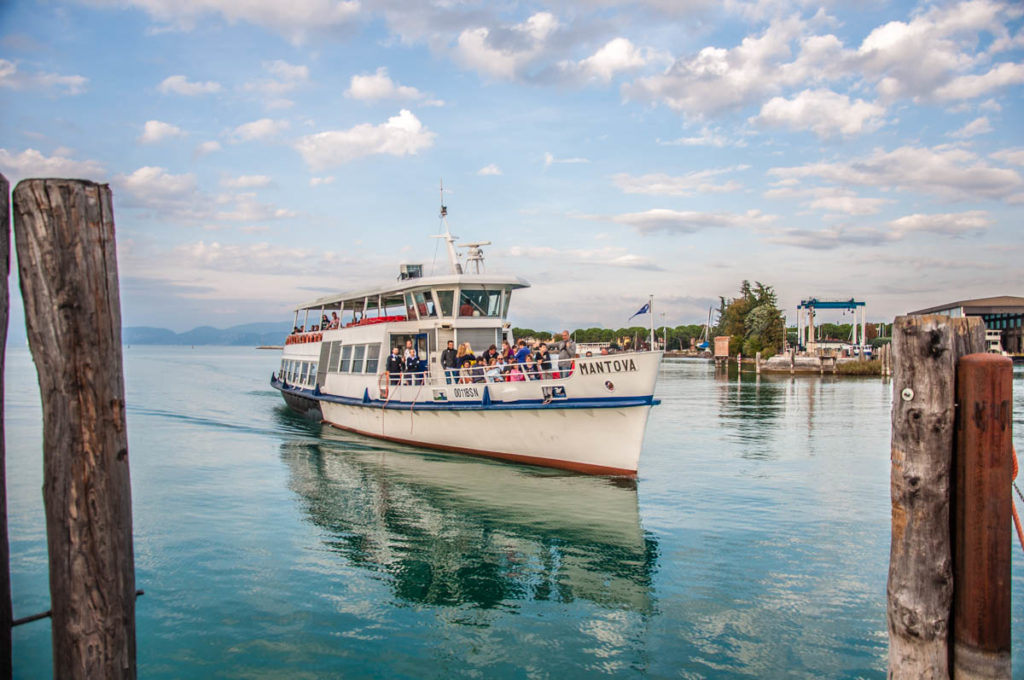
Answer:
(752, 320)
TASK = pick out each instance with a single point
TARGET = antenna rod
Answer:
(453, 258)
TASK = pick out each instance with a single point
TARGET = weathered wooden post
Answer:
(920, 587)
(64, 233)
(981, 547)
(6, 614)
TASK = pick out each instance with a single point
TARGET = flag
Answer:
(643, 310)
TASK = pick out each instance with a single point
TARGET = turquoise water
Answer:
(753, 544)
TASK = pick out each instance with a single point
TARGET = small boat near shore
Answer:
(587, 414)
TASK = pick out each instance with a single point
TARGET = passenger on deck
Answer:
(450, 362)
(466, 361)
(493, 373)
(516, 373)
(335, 321)
(491, 353)
(395, 365)
(522, 351)
(506, 351)
(543, 360)
(413, 375)
(530, 369)
(324, 322)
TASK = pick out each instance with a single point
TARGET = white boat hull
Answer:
(604, 440)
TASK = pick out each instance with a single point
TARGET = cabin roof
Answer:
(990, 305)
(405, 285)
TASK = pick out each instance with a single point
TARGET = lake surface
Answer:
(754, 543)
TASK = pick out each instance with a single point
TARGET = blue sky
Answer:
(262, 153)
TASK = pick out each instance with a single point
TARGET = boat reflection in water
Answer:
(449, 530)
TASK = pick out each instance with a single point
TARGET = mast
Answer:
(453, 259)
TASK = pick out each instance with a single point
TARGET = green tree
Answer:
(752, 321)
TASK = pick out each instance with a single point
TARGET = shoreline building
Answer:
(1003, 314)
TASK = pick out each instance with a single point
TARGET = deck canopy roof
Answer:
(346, 300)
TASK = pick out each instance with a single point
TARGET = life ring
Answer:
(382, 385)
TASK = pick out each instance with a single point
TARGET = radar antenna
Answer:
(475, 255)
(453, 258)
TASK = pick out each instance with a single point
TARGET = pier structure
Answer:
(806, 337)
(1002, 315)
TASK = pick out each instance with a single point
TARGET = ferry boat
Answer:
(586, 414)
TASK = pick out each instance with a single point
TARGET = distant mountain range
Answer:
(267, 333)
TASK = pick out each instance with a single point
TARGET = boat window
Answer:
(305, 372)
(372, 357)
(445, 298)
(480, 303)
(410, 307)
(335, 357)
(424, 305)
(312, 373)
(506, 296)
(346, 358)
(357, 358)
(291, 371)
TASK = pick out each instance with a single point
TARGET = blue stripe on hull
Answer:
(521, 405)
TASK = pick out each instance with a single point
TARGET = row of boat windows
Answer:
(298, 372)
(340, 359)
(353, 358)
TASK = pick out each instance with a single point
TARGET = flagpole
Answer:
(651, 310)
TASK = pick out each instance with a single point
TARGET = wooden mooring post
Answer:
(926, 454)
(6, 614)
(983, 472)
(64, 234)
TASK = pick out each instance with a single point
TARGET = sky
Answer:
(263, 153)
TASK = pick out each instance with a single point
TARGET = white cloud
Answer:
(952, 173)
(978, 126)
(207, 147)
(153, 188)
(971, 86)
(829, 238)
(491, 169)
(1011, 156)
(295, 19)
(823, 112)
(285, 78)
(505, 52)
(835, 200)
(321, 181)
(946, 224)
(13, 78)
(716, 80)
(618, 55)
(380, 86)
(181, 85)
(608, 256)
(32, 163)
(401, 135)
(264, 128)
(708, 137)
(923, 57)
(949, 224)
(247, 182)
(285, 72)
(245, 208)
(549, 159)
(156, 131)
(689, 221)
(660, 184)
